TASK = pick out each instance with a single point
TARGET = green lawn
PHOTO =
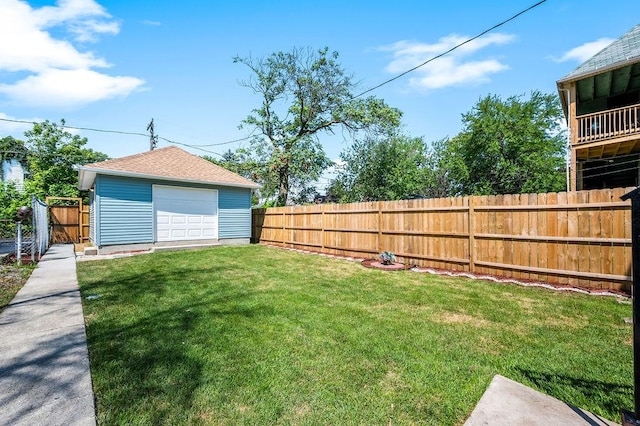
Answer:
(257, 335)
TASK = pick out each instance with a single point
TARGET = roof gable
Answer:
(621, 52)
(170, 163)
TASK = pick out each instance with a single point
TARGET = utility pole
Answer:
(153, 139)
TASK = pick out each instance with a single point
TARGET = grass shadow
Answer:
(610, 394)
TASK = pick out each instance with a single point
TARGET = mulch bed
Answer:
(377, 264)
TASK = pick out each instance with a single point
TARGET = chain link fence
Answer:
(29, 238)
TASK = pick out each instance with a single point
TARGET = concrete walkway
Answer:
(44, 362)
(507, 403)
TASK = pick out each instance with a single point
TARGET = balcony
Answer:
(609, 124)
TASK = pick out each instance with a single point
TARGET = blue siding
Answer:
(125, 213)
(234, 213)
(124, 210)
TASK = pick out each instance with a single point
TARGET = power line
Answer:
(187, 145)
(228, 142)
(451, 50)
(65, 126)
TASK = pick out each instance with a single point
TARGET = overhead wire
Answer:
(187, 145)
(450, 50)
(198, 147)
(66, 126)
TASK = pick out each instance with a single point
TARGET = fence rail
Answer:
(568, 238)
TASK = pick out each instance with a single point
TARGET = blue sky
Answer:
(116, 64)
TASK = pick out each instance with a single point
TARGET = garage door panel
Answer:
(185, 213)
(209, 233)
(178, 233)
(177, 220)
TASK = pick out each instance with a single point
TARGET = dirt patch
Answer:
(461, 318)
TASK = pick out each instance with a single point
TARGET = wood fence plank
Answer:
(541, 199)
(572, 231)
(622, 220)
(491, 228)
(507, 253)
(563, 229)
(596, 251)
(551, 222)
(584, 229)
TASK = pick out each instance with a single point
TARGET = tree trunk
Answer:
(283, 189)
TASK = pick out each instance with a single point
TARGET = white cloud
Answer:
(48, 60)
(151, 23)
(52, 88)
(585, 51)
(455, 68)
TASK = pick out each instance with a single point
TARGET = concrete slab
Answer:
(506, 402)
(44, 362)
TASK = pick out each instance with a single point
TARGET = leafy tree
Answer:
(447, 172)
(53, 154)
(507, 147)
(10, 200)
(305, 93)
(243, 163)
(12, 148)
(394, 167)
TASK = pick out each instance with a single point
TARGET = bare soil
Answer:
(12, 278)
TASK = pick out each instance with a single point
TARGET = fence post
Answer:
(322, 225)
(472, 244)
(629, 418)
(284, 227)
(19, 243)
(292, 231)
(379, 226)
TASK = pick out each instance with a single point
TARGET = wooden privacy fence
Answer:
(69, 223)
(569, 238)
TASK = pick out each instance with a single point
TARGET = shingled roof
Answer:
(624, 50)
(167, 164)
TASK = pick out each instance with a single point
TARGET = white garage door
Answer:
(185, 213)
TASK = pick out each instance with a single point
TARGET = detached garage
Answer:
(165, 197)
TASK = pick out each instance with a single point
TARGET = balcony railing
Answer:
(609, 124)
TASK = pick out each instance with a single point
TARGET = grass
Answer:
(12, 278)
(257, 335)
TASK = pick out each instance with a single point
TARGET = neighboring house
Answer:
(12, 171)
(601, 101)
(165, 197)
